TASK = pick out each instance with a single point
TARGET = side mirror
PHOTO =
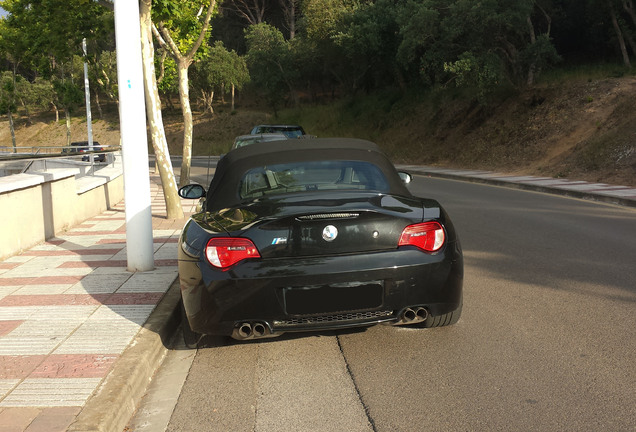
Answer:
(192, 191)
(405, 177)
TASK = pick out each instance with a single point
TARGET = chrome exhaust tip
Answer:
(245, 330)
(421, 314)
(259, 330)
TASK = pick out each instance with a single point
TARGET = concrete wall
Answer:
(35, 207)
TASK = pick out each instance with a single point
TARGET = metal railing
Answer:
(12, 162)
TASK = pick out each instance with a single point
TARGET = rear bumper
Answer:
(318, 293)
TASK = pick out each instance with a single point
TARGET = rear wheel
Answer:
(444, 320)
(190, 337)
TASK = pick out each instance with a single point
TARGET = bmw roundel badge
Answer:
(329, 233)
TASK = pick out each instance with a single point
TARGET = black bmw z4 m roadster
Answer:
(314, 235)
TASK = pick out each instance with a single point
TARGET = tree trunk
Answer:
(12, 128)
(629, 8)
(27, 113)
(184, 96)
(233, 97)
(533, 65)
(153, 113)
(57, 113)
(67, 114)
(619, 35)
(99, 106)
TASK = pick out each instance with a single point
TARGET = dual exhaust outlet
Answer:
(249, 330)
(413, 315)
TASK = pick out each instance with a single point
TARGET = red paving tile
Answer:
(55, 419)
(91, 233)
(132, 298)
(50, 300)
(44, 280)
(7, 326)
(75, 366)
(93, 264)
(81, 299)
(8, 265)
(80, 252)
(112, 263)
(19, 366)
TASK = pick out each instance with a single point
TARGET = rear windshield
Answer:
(289, 132)
(312, 176)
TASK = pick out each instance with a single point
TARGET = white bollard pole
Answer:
(134, 141)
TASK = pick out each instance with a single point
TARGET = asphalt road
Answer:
(546, 342)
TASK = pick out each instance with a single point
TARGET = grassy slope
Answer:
(585, 129)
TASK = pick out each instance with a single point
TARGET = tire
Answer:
(190, 338)
(444, 320)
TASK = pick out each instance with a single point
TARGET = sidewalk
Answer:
(80, 337)
(68, 312)
(613, 194)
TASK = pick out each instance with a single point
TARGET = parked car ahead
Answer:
(314, 235)
(291, 131)
(82, 147)
(243, 140)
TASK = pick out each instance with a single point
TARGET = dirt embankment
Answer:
(579, 130)
(584, 130)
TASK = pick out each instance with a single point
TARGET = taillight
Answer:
(223, 252)
(428, 236)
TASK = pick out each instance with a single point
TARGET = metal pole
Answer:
(134, 141)
(87, 94)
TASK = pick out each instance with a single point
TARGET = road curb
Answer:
(117, 398)
(589, 196)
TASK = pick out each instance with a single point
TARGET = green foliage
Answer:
(7, 93)
(271, 63)
(44, 33)
(69, 95)
(184, 19)
(221, 68)
(166, 68)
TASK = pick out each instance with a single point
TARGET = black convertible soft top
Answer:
(223, 191)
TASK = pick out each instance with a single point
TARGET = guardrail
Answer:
(12, 162)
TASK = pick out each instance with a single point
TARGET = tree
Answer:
(7, 100)
(153, 113)
(252, 11)
(177, 23)
(271, 63)
(219, 68)
(291, 9)
(104, 73)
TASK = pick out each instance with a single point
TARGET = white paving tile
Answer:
(43, 289)
(58, 329)
(12, 313)
(55, 313)
(7, 290)
(148, 282)
(51, 392)
(136, 314)
(19, 259)
(100, 337)
(99, 283)
(167, 251)
(37, 271)
(6, 385)
(28, 345)
(109, 271)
